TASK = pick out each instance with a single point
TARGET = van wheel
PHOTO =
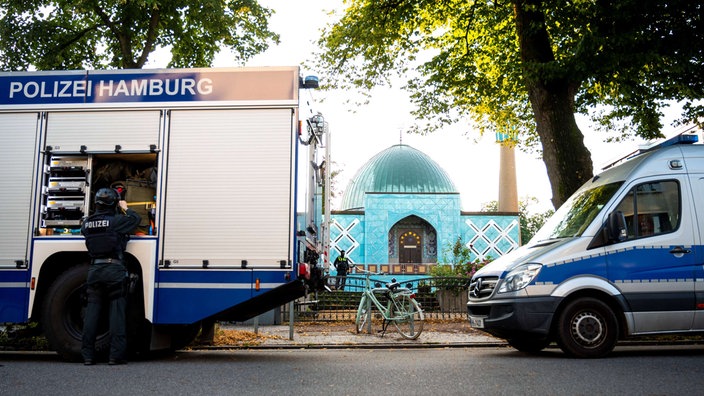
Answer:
(587, 328)
(62, 315)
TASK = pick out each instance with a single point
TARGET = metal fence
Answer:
(439, 297)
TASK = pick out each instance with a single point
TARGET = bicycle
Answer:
(399, 307)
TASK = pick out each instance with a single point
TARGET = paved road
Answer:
(671, 370)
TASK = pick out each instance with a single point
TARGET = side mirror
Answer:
(616, 227)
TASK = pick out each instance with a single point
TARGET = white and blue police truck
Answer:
(622, 257)
(208, 157)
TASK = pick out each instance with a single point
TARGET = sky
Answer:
(357, 134)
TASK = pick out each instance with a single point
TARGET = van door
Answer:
(654, 267)
(698, 199)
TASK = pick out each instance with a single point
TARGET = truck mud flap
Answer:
(262, 303)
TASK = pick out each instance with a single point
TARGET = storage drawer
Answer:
(64, 187)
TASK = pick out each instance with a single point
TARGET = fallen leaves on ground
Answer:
(241, 337)
(224, 337)
(439, 325)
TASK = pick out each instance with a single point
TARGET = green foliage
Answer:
(77, 34)
(527, 66)
(530, 222)
(20, 337)
(458, 253)
(455, 273)
(630, 55)
(462, 270)
(455, 277)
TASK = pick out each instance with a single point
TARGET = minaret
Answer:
(508, 190)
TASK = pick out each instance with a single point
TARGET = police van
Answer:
(622, 257)
(208, 157)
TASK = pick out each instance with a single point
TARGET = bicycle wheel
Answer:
(362, 314)
(408, 317)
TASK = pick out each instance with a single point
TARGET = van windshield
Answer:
(575, 215)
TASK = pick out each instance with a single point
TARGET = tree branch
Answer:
(124, 41)
(472, 9)
(152, 34)
(76, 37)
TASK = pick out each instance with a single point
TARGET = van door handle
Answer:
(680, 250)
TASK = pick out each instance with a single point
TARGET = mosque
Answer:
(401, 212)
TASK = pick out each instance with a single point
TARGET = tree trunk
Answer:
(551, 95)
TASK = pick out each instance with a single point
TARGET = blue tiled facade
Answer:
(364, 235)
(402, 212)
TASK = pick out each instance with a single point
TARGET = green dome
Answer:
(398, 169)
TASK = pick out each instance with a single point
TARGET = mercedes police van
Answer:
(622, 257)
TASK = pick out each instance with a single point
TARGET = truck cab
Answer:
(622, 257)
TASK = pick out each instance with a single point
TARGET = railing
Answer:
(440, 298)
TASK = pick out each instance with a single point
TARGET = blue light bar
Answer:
(686, 137)
(679, 139)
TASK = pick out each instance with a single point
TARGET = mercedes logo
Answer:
(477, 287)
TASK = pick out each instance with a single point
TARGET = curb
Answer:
(428, 345)
(497, 344)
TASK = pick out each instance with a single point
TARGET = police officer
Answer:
(107, 232)
(342, 265)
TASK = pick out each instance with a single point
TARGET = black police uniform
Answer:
(107, 233)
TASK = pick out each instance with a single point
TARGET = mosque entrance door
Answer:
(410, 248)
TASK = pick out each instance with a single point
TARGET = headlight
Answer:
(519, 277)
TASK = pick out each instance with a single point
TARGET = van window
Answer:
(652, 208)
(577, 213)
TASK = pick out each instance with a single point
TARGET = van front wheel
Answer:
(587, 328)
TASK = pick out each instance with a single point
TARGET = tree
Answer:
(530, 223)
(77, 34)
(458, 251)
(527, 66)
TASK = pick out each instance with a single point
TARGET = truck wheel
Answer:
(529, 345)
(587, 328)
(62, 315)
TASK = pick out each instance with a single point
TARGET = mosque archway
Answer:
(412, 240)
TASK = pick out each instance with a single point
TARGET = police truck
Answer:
(208, 157)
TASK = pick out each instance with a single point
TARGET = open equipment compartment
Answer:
(70, 181)
(65, 193)
(134, 175)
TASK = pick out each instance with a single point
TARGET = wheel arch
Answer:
(60, 262)
(615, 302)
(59, 306)
(55, 265)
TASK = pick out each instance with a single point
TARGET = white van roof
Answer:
(675, 155)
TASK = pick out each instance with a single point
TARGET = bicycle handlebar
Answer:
(392, 286)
